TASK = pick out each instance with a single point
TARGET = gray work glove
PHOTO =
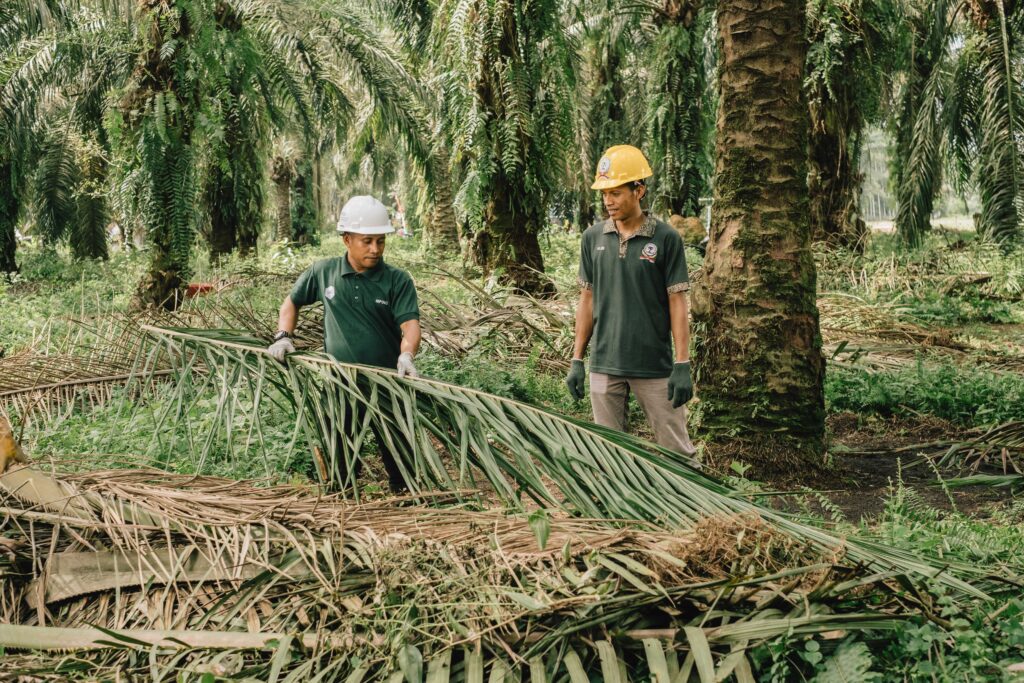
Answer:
(405, 366)
(680, 386)
(574, 380)
(281, 348)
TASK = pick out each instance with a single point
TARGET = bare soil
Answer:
(863, 482)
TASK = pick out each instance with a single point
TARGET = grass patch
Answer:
(964, 395)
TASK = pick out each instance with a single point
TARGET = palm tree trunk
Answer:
(443, 232)
(223, 222)
(834, 184)
(8, 219)
(676, 127)
(305, 211)
(758, 356)
(168, 161)
(513, 229)
(281, 176)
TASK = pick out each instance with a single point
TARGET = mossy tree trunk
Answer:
(519, 101)
(676, 128)
(834, 181)
(281, 172)
(223, 221)
(513, 243)
(8, 219)
(759, 366)
(164, 133)
(305, 217)
(443, 227)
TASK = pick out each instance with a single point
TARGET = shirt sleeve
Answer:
(676, 277)
(404, 304)
(307, 288)
(586, 274)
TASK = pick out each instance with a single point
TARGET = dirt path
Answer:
(866, 481)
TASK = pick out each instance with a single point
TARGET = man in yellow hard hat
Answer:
(633, 287)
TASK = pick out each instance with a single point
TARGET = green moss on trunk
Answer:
(759, 367)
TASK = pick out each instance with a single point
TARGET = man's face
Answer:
(364, 251)
(622, 202)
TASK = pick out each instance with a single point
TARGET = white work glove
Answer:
(281, 348)
(405, 366)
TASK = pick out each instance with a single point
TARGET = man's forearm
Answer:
(287, 316)
(584, 323)
(679, 315)
(411, 335)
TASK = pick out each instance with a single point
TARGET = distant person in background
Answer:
(371, 313)
(633, 285)
(399, 221)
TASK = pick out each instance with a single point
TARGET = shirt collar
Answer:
(373, 273)
(645, 230)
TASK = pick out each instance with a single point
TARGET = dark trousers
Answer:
(344, 468)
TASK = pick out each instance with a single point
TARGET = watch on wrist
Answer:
(282, 334)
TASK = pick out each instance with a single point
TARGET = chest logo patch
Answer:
(382, 302)
(600, 248)
(650, 252)
(329, 292)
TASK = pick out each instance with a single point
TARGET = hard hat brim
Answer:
(609, 183)
(368, 230)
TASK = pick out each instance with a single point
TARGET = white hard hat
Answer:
(365, 215)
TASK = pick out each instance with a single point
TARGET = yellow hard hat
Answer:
(619, 165)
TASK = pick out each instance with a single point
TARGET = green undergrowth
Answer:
(954, 280)
(964, 394)
(953, 639)
(964, 641)
(125, 432)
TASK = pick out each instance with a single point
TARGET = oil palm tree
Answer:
(854, 47)
(188, 85)
(55, 156)
(679, 110)
(608, 111)
(918, 119)
(508, 80)
(993, 49)
(759, 366)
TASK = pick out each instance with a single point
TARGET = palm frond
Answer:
(1000, 171)
(451, 438)
(56, 180)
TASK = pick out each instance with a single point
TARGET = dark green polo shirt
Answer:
(362, 311)
(631, 281)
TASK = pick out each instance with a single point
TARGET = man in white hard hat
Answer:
(371, 314)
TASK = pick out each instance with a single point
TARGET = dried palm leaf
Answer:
(287, 580)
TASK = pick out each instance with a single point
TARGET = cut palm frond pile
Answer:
(479, 447)
(512, 326)
(875, 337)
(155, 574)
(979, 268)
(83, 368)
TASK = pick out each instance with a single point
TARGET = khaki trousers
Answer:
(609, 395)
